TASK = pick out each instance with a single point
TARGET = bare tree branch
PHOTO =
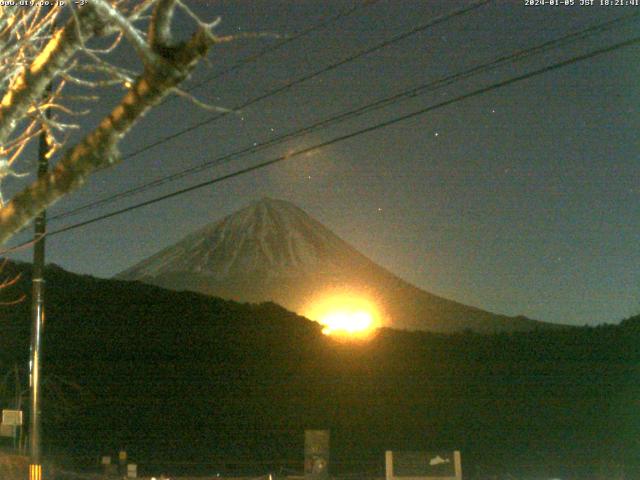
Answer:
(8, 282)
(160, 27)
(111, 16)
(29, 87)
(99, 149)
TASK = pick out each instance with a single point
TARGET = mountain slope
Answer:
(273, 251)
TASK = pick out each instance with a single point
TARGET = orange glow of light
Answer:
(345, 315)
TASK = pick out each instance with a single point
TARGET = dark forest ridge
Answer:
(181, 377)
(272, 250)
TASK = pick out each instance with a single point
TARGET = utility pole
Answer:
(37, 305)
(37, 325)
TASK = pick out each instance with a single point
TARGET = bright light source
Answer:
(346, 315)
(347, 322)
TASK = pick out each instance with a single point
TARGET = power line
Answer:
(389, 100)
(252, 58)
(310, 76)
(356, 133)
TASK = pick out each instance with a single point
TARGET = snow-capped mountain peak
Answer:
(271, 238)
(272, 250)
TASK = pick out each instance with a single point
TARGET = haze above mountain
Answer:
(274, 251)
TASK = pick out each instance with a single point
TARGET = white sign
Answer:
(423, 465)
(12, 417)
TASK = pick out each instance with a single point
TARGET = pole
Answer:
(37, 326)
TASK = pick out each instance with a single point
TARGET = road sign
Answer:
(12, 417)
(441, 465)
(316, 454)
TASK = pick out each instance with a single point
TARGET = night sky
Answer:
(522, 200)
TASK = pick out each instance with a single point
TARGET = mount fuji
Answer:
(272, 250)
